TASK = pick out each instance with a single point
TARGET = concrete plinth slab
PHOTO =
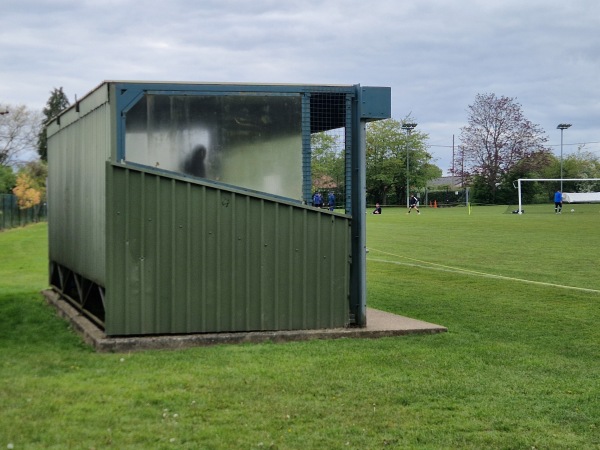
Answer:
(379, 324)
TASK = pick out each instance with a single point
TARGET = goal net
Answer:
(580, 184)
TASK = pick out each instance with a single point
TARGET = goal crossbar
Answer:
(520, 210)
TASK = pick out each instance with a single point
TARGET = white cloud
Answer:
(436, 55)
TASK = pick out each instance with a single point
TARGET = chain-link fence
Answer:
(11, 216)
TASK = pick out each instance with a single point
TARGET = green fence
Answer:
(11, 216)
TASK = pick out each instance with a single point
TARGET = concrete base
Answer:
(379, 324)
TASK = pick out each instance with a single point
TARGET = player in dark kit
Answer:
(413, 203)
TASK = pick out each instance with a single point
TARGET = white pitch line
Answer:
(443, 268)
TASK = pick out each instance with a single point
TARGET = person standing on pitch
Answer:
(413, 203)
(558, 202)
(331, 201)
(317, 200)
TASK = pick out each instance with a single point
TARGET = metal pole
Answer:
(407, 170)
(358, 268)
(561, 159)
(562, 127)
(408, 127)
(520, 210)
(452, 157)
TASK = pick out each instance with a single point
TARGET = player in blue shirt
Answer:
(331, 201)
(317, 200)
(558, 202)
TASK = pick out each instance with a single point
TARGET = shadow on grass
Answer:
(27, 323)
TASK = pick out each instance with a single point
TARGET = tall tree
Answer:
(388, 146)
(57, 102)
(7, 179)
(327, 161)
(581, 164)
(18, 129)
(535, 165)
(30, 186)
(497, 137)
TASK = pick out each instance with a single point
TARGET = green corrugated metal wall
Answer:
(77, 152)
(188, 256)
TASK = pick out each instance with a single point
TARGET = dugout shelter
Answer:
(178, 208)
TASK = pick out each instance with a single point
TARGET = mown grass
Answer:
(518, 368)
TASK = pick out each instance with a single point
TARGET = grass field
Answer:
(519, 367)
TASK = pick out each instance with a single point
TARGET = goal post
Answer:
(595, 198)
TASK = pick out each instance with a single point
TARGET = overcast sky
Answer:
(436, 55)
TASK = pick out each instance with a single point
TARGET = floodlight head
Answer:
(408, 126)
(563, 126)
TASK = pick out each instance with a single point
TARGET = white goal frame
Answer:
(520, 210)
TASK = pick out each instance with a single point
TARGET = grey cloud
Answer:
(436, 55)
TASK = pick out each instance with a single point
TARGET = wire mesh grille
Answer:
(327, 111)
(328, 114)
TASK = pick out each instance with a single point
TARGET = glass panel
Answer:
(251, 141)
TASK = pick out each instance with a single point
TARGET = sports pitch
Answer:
(518, 367)
(490, 242)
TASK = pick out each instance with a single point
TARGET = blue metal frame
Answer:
(306, 151)
(363, 104)
(358, 296)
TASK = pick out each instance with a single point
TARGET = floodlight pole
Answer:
(562, 127)
(408, 127)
